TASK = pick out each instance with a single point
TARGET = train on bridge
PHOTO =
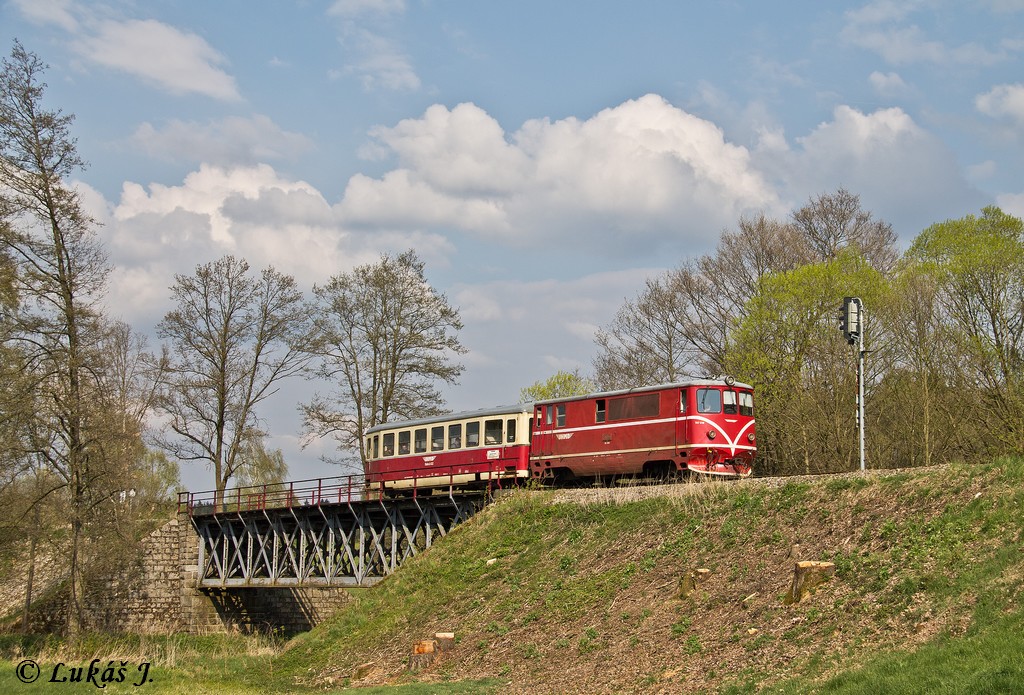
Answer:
(704, 426)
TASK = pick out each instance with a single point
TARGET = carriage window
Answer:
(437, 438)
(599, 415)
(729, 402)
(492, 432)
(389, 444)
(682, 401)
(510, 431)
(403, 442)
(560, 419)
(455, 436)
(709, 401)
(371, 447)
(472, 434)
(634, 406)
(746, 403)
(420, 441)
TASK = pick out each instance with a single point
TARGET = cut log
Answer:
(444, 641)
(807, 576)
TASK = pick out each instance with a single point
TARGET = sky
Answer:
(543, 158)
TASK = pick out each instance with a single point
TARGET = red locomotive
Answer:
(701, 425)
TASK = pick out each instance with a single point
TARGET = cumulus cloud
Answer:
(1003, 101)
(899, 169)
(251, 212)
(232, 140)
(631, 172)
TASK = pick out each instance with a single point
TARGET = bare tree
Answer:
(832, 222)
(385, 337)
(60, 276)
(233, 338)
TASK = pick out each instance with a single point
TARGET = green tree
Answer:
(559, 385)
(977, 264)
(233, 338)
(788, 346)
(385, 337)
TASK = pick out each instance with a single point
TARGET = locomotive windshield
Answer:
(709, 401)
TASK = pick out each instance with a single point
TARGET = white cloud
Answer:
(1003, 101)
(901, 171)
(57, 12)
(1011, 203)
(352, 8)
(880, 27)
(252, 212)
(180, 62)
(231, 141)
(378, 62)
(887, 84)
(643, 170)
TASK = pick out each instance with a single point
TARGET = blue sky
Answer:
(543, 158)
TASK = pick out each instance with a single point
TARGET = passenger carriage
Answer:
(701, 425)
(471, 449)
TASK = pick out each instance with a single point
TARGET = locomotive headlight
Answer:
(711, 434)
(750, 437)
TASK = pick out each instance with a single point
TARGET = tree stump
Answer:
(422, 655)
(807, 576)
(691, 580)
(444, 641)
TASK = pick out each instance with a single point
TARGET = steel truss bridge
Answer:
(316, 533)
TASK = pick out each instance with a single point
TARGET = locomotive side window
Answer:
(389, 444)
(600, 413)
(560, 415)
(729, 402)
(746, 403)
(645, 405)
(437, 438)
(455, 436)
(420, 441)
(492, 432)
(403, 442)
(709, 401)
(682, 401)
(547, 415)
(510, 431)
(473, 433)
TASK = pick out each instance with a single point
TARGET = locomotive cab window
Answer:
(492, 432)
(709, 401)
(599, 414)
(560, 415)
(746, 403)
(420, 441)
(682, 401)
(729, 402)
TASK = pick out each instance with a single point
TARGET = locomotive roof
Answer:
(464, 415)
(642, 389)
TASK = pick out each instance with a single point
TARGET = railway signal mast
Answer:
(851, 322)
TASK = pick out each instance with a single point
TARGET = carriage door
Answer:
(542, 423)
(682, 424)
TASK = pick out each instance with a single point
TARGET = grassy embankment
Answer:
(582, 595)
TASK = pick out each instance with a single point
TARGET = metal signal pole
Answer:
(851, 321)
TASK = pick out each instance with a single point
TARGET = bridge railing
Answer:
(335, 490)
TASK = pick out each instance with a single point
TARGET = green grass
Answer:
(569, 581)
